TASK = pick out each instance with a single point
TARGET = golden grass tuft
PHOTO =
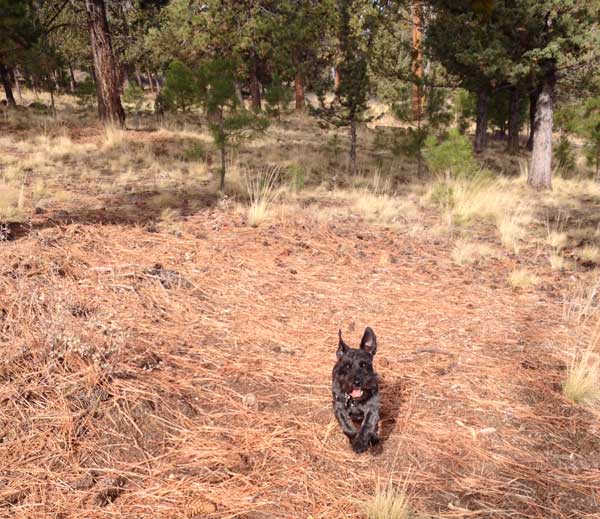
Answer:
(466, 252)
(262, 190)
(557, 261)
(582, 384)
(388, 503)
(522, 278)
(589, 253)
(557, 240)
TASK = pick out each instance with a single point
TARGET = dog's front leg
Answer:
(344, 420)
(367, 435)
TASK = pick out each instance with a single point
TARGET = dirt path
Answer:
(129, 391)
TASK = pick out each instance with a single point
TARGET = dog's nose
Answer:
(357, 382)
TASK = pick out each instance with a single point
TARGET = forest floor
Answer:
(161, 358)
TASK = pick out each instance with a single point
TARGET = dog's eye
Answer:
(363, 364)
(347, 366)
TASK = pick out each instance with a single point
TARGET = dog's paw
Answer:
(360, 444)
(374, 439)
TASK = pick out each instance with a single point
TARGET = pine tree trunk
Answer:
(513, 121)
(72, 82)
(10, 98)
(255, 101)
(417, 60)
(540, 172)
(156, 83)
(152, 89)
(110, 109)
(533, 99)
(15, 79)
(299, 89)
(482, 120)
(352, 146)
(336, 80)
(138, 76)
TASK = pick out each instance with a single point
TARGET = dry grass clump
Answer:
(589, 253)
(262, 191)
(388, 502)
(466, 252)
(557, 261)
(582, 384)
(557, 240)
(583, 305)
(11, 203)
(522, 278)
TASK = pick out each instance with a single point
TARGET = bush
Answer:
(296, 177)
(277, 96)
(564, 157)
(85, 93)
(183, 88)
(453, 156)
(134, 95)
(195, 152)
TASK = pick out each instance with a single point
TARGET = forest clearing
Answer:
(175, 262)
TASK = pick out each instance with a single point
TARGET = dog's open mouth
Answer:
(356, 392)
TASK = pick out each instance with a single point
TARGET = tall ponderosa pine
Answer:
(105, 67)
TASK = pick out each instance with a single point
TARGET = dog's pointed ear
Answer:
(342, 347)
(369, 341)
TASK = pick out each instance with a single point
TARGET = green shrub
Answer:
(183, 88)
(39, 107)
(134, 95)
(296, 177)
(85, 93)
(453, 156)
(195, 152)
(277, 96)
(564, 157)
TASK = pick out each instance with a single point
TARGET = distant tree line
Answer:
(510, 63)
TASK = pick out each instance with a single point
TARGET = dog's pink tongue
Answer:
(356, 393)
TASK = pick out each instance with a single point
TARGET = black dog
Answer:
(356, 392)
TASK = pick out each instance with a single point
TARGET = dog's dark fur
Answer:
(356, 391)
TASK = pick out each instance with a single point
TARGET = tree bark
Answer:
(482, 120)
(417, 60)
(352, 146)
(15, 80)
(533, 99)
(255, 101)
(299, 89)
(10, 98)
(540, 172)
(513, 121)
(138, 76)
(110, 109)
(336, 79)
(156, 83)
(72, 82)
(152, 89)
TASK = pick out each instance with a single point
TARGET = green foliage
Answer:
(409, 143)
(296, 174)
(195, 153)
(39, 107)
(453, 155)
(85, 93)
(564, 157)
(134, 95)
(183, 88)
(229, 122)
(464, 109)
(277, 96)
